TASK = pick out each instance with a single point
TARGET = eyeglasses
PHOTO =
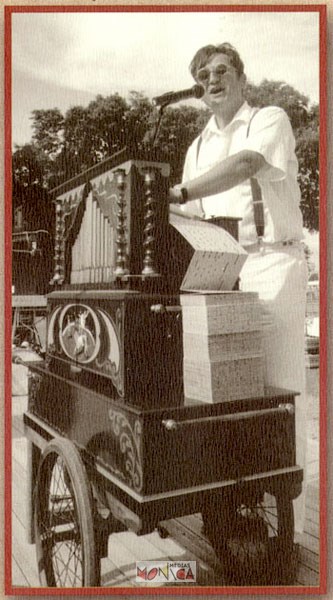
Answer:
(203, 75)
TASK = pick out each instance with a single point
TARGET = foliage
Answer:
(48, 127)
(278, 93)
(179, 127)
(307, 150)
(65, 145)
(30, 168)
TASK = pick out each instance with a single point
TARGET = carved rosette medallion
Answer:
(79, 333)
(89, 337)
(130, 440)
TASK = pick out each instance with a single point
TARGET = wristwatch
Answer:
(184, 194)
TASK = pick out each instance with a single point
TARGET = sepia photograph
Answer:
(165, 398)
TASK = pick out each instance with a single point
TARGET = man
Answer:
(244, 165)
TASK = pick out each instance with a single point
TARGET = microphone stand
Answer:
(158, 124)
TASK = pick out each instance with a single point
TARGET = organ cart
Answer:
(115, 442)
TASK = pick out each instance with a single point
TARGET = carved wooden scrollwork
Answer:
(130, 438)
(34, 383)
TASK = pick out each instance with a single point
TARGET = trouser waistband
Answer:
(284, 245)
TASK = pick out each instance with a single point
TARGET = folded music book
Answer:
(217, 258)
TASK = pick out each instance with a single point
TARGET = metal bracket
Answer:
(160, 309)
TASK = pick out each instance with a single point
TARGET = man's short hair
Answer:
(202, 57)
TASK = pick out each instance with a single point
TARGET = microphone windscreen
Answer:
(198, 90)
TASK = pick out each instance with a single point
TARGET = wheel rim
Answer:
(64, 520)
(60, 531)
(254, 540)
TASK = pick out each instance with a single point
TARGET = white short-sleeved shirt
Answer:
(271, 136)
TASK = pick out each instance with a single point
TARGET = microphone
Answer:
(197, 91)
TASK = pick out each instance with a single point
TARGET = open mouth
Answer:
(216, 89)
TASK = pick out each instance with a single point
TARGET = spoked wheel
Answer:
(64, 524)
(253, 539)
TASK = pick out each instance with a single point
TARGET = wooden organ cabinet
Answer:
(118, 261)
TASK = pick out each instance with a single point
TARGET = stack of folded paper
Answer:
(222, 341)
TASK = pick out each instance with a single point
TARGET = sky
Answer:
(64, 59)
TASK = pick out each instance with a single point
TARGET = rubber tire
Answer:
(276, 565)
(77, 485)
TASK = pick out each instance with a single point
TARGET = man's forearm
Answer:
(225, 175)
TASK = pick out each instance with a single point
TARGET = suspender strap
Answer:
(198, 148)
(197, 157)
(258, 205)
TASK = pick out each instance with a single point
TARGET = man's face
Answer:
(223, 86)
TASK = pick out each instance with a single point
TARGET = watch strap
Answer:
(184, 194)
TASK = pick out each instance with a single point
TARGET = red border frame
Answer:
(181, 591)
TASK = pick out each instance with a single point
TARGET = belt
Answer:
(261, 245)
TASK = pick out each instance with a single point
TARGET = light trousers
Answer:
(279, 275)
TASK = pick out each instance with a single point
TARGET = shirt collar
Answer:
(243, 114)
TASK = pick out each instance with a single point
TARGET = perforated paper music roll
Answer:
(217, 260)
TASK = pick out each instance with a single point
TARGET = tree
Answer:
(140, 120)
(48, 128)
(96, 131)
(278, 93)
(179, 127)
(65, 145)
(30, 167)
(32, 211)
(307, 150)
